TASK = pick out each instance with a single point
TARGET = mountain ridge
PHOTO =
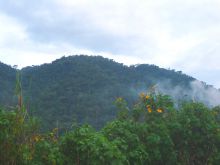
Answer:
(84, 88)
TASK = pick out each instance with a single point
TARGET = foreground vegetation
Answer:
(154, 131)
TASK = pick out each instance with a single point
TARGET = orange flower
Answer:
(147, 97)
(159, 110)
(149, 108)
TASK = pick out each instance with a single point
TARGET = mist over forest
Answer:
(84, 88)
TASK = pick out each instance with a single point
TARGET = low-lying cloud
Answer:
(198, 91)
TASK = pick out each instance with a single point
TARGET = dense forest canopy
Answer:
(7, 84)
(84, 88)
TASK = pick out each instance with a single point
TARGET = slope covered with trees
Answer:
(145, 128)
(7, 84)
(83, 88)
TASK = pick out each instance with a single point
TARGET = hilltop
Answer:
(84, 88)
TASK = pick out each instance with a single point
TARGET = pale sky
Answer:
(177, 34)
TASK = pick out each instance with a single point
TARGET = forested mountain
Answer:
(7, 84)
(84, 88)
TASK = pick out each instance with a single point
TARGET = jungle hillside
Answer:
(91, 110)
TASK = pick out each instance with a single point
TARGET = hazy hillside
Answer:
(7, 84)
(83, 88)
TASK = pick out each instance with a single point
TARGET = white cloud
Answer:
(181, 34)
(11, 31)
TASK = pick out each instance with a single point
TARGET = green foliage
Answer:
(7, 81)
(144, 137)
(189, 135)
(195, 134)
(46, 151)
(85, 146)
(128, 137)
(15, 135)
(121, 104)
(161, 135)
(83, 87)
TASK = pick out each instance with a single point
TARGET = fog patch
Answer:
(207, 94)
(197, 91)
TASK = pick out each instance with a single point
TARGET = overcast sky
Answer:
(177, 34)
